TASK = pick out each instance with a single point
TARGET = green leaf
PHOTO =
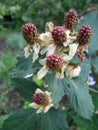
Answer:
(2, 119)
(16, 40)
(79, 97)
(77, 91)
(53, 120)
(24, 66)
(26, 88)
(22, 73)
(29, 120)
(55, 86)
(85, 66)
(75, 60)
(95, 121)
(85, 69)
(37, 81)
(84, 124)
(95, 99)
(22, 120)
(95, 63)
(92, 20)
(23, 62)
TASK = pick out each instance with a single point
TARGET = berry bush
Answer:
(60, 61)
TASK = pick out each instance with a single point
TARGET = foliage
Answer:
(24, 87)
(95, 98)
(28, 120)
(8, 53)
(92, 20)
(24, 81)
(24, 66)
(21, 86)
(2, 118)
(36, 9)
(86, 124)
(79, 5)
(6, 64)
(15, 41)
(75, 89)
(17, 12)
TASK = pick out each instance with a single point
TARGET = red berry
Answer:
(29, 32)
(84, 35)
(41, 99)
(54, 62)
(71, 19)
(81, 56)
(58, 34)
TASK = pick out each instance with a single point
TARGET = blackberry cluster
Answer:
(54, 62)
(41, 99)
(71, 19)
(29, 32)
(81, 56)
(58, 34)
(84, 35)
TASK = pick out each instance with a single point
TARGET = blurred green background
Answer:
(15, 13)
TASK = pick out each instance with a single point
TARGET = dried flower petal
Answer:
(73, 71)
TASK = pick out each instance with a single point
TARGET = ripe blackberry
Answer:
(29, 32)
(58, 34)
(81, 56)
(84, 35)
(71, 19)
(41, 99)
(54, 62)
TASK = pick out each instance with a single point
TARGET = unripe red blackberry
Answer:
(84, 35)
(81, 56)
(58, 34)
(41, 99)
(54, 62)
(71, 19)
(29, 32)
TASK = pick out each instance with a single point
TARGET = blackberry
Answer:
(81, 56)
(71, 19)
(29, 32)
(54, 62)
(58, 34)
(41, 99)
(84, 35)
